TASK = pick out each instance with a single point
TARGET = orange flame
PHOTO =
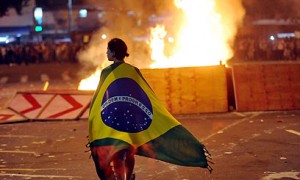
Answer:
(201, 42)
(91, 82)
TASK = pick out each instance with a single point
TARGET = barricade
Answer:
(267, 86)
(190, 89)
(9, 116)
(51, 105)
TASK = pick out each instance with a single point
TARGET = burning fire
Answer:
(157, 44)
(91, 82)
(202, 40)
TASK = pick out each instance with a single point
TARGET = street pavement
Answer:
(261, 145)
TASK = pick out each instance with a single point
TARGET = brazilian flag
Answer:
(126, 113)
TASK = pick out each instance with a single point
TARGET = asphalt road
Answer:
(248, 145)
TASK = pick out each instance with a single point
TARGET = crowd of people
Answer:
(258, 49)
(29, 53)
(245, 49)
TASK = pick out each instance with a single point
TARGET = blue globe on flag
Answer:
(126, 107)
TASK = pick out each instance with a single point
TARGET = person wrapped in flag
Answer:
(126, 119)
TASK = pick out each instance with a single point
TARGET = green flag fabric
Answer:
(126, 113)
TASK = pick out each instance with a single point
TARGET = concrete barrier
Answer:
(267, 86)
(182, 91)
(190, 89)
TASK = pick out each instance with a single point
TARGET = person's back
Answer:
(120, 164)
(127, 118)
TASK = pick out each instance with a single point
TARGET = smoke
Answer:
(129, 20)
(232, 16)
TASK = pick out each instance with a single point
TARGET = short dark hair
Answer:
(119, 47)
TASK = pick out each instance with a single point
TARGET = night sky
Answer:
(255, 9)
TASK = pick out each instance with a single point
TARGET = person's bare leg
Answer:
(102, 164)
(123, 165)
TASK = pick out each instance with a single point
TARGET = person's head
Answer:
(116, 50)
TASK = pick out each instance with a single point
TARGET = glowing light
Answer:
(46, 85)
(103, 36)
(83, 13)
(38, 28)
(3, 39)
(38, 15)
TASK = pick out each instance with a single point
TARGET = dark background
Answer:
(255, 9)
